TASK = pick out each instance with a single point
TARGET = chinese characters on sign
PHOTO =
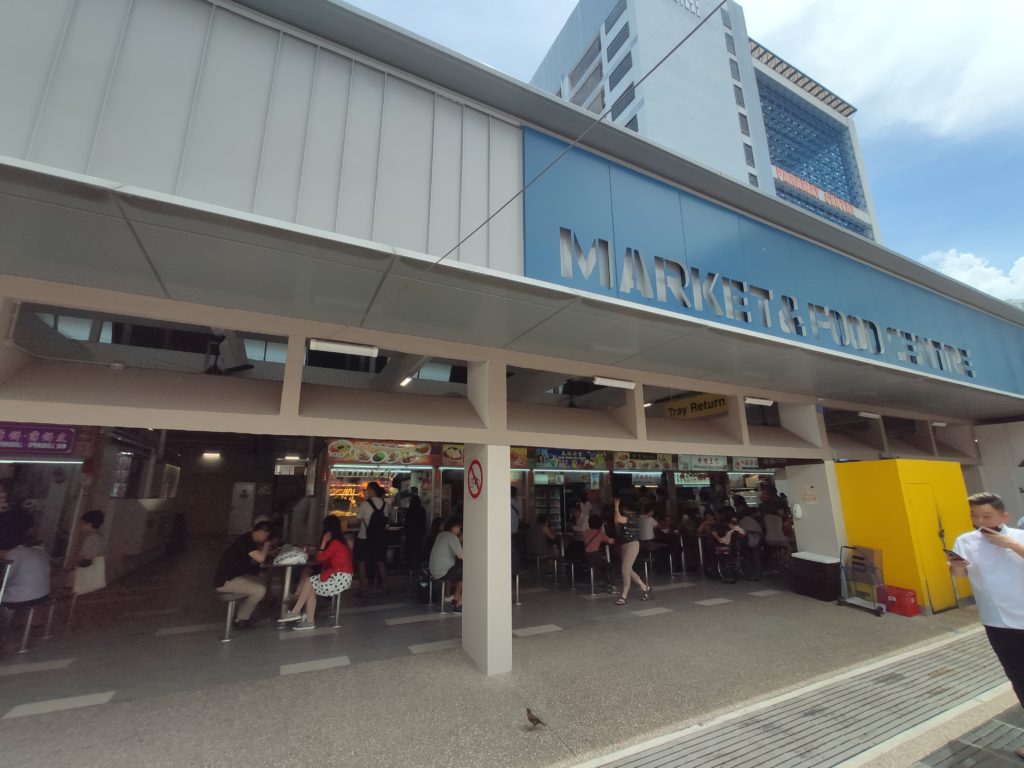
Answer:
(643, 462)
(551, 458)
(703, 463)
(32, 438)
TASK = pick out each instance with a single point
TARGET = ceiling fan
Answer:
(213, 350)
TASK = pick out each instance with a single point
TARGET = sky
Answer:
(938, 85)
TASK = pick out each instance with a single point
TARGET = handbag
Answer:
(90, 578)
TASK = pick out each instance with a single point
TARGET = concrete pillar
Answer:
(291, 386)
(487, 567)
(1002, 454)
(814, 488)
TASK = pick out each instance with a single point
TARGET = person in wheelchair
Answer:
(729, 536)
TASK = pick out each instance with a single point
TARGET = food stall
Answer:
(394, 465)
(559, 475)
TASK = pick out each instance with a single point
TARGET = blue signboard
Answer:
(599, 227)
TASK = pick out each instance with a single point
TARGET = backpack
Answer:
(378, 524)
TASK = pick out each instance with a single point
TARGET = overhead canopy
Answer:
(75, 230)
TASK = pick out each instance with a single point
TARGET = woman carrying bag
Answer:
(629, 541)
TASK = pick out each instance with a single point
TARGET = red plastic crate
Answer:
(902, 602)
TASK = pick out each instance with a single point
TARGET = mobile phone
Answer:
(997, 529)
(954, 555)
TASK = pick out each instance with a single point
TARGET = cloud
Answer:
(943, 67)
(979, 273)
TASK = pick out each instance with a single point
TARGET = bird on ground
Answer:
(534, 720)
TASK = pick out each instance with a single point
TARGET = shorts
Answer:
(454, 573)
(378, 550)
(335, 585)
(361, 551)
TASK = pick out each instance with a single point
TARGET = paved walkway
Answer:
(826, 725)
(143, 679)
(990, 745)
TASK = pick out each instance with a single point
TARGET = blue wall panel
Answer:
(596, 226)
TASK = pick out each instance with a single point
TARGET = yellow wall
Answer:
(895, 506)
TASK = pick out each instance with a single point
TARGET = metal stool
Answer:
(47, 602)
(516, 577)
(336, 601)
(231, 598)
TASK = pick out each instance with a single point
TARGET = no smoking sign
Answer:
(475, 479)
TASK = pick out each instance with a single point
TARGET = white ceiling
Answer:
(72, 231)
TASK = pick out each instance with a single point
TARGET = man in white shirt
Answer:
(992, 557)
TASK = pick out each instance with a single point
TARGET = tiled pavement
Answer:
(990, 745)
(835, 722)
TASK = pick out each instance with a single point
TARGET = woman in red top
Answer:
(335, 559)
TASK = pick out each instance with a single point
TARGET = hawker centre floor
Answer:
(142, 677)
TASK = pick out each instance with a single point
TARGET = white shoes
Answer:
(290, 617)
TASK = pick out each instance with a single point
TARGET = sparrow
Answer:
(534, 720)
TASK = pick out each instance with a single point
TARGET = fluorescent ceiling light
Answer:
(938, 423)
(292, 457)
(648, 405)
(868, 415)
(758, 401)
(405, 381)
(619, 383)
(211, 454)
(341, 348)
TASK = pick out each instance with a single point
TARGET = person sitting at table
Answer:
(239, 568)
(707, 525)
(593, 547)
(28, 583)
(541, 541)
(727, 530)
(335, 559)
(446, 559)
(646, 525)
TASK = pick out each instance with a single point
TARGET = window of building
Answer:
(623, 101)
(597, 105)
(748, 152)
(617, 41)
(735, 69)
(620, 72)
(752, 179)
(584, 63)
(726, 20)
(633, 124)
(587, 89)
(730, 44)
(744, 125)
(614, 16)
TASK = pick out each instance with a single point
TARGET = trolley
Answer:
(862, 581)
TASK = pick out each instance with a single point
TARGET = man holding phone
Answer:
(992, 557)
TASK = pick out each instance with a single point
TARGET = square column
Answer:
(819, 523)
(487, 564)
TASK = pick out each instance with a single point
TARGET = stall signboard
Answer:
(379, 452)
(696, 407)
(453, 455)
(692, 479)
(647, 478)
(703, 463)
(49, 439)
(554, 458)
(744, 463)
(643, 462)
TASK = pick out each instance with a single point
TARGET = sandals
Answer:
(646, 594)
(621, 601)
